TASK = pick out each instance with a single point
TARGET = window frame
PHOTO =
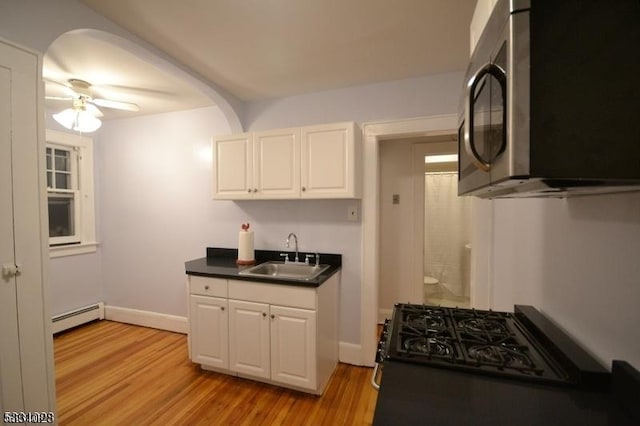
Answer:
(84, 238)
(72, 192)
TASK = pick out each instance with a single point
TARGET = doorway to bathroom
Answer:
(447, 234)
(419, 241)
(443, 275)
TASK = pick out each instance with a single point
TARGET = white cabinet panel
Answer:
(277, 164)
(293, 346)
(209, 329)
(330, 161)
(233, 167)
(206, 286)
(249, 338)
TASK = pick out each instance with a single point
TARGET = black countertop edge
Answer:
(221, 263)
(271, 255)
(625, 387)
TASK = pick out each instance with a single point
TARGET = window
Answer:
(69, 164)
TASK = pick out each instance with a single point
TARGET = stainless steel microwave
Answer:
(551, 102)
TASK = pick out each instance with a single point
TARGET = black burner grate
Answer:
(483, 341)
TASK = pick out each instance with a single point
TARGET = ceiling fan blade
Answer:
(58, 98)
(126, 106)
(94, 110)
(60, 88)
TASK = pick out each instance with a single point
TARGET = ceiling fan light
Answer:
(66, 118)
(86, 122)
(78, 120)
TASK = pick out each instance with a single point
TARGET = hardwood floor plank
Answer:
(109, 373)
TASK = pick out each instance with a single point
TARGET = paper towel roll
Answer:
(245, 247)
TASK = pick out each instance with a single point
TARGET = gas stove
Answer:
(522, 345)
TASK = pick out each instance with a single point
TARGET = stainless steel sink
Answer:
(287, 271)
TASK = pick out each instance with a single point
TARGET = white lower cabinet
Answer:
(285, 335)
(209, 331)
(293, 346)
(249, 338)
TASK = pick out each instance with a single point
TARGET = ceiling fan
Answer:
(83, 116)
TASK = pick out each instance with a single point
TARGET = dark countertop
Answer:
(418, 394)
(221, 263)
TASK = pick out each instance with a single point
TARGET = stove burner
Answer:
(483, 324)
(505, 356)
(428, 346)
(424, 321)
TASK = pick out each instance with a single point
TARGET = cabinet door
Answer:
(329, 161)
(249, 338)
(209, 331)
(233, 167)
(276, 172)
(293, 346)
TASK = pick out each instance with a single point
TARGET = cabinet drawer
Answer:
(275, 294)
(207, 286)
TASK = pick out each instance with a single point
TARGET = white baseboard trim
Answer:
(173, 323)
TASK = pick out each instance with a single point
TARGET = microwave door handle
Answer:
(469, 146)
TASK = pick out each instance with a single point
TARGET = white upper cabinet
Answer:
(331, 161)
(308, 162)
(233, 171)
(276, 159)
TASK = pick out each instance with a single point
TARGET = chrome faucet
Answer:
(295, 237)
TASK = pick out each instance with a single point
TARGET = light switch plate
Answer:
(352, 213)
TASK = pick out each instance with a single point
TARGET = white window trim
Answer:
(84, 146)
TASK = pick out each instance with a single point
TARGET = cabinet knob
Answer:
(222, 308)
(206, 287)
(304, 188)
(273, 316)
(264, 314)
(249, 190)
(255, 189)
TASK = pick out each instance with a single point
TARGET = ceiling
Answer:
(260, 49)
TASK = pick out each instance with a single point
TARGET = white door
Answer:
(293, 346)
(209, 328)
(10, 376)
(276, 155)
(327, 161)
(249, 338)
(26, 348)
(233, 167)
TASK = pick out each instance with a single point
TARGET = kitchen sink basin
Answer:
(287, 271)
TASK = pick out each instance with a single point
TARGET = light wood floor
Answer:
(109, 373)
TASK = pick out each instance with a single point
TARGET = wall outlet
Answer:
(352, 213)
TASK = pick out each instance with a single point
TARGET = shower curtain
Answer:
(447, 231)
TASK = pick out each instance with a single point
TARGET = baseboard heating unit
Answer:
(77, 317)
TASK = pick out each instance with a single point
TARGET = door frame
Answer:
(373, 134)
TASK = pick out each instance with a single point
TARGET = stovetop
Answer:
(486, 342)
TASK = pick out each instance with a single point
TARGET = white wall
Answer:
(414, 97)
(578, 261)
(396, 279)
